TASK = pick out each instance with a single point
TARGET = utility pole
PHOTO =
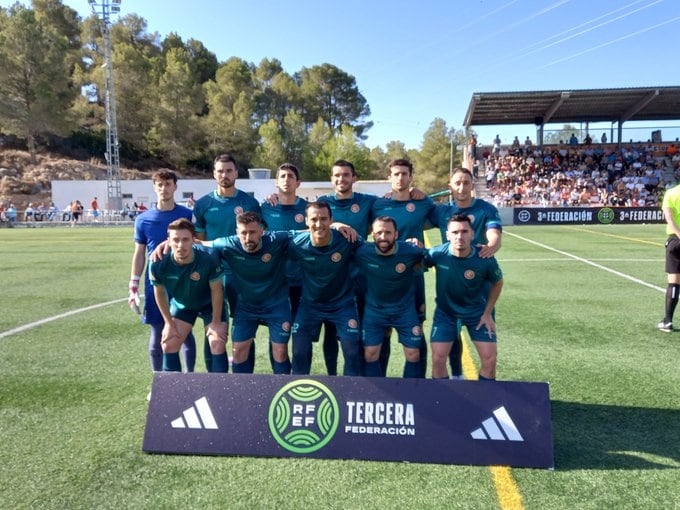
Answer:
(103, 10)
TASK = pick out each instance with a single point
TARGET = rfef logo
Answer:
(303, 416)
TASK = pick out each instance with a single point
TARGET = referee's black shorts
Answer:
(673, 255)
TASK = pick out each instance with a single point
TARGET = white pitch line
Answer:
(562, 259)
(589, 262)
(35, 324)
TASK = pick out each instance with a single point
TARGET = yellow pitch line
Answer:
(507, 492)
(626, 238)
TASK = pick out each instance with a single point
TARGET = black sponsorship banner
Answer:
(586, 215)
(385, 419)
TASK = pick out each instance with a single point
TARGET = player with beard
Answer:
(215, 216)
(412, 216)
(389, 266)
(259, 261)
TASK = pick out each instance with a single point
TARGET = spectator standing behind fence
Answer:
(671, 213)
(29, 212)
(94, 205)
(76, 212)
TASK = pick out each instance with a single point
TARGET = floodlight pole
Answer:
(103, 9)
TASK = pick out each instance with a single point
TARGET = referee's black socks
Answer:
(672, 292)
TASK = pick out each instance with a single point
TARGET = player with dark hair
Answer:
(215, 216)
(487, 226)
(462, 298)
(151, 228)
(287, 214)
(193, 275)
(412, 216)
(258, 260)
(327, 292)
(389, 266)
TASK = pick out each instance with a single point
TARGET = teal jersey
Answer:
(284, 217)
(482, 214)
(390, 277)
(411, 215)
(287, 217)
(215, 216)
(260, 277)
(189, 284)
(355, 211)
(325, 268)
(461, 289)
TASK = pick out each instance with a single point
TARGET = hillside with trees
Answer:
(178, 105)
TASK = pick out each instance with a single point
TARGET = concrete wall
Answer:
(141, 191)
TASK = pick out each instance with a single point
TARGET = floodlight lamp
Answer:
(115, 1)
(115, 8)
(91, 2)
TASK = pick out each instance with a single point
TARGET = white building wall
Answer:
(141, 191)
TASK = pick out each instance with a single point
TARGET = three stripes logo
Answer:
(198, 416)
(499, 427)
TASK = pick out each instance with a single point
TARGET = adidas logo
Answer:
(198, 416)
(491, 428)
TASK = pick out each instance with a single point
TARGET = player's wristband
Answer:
(133, 286)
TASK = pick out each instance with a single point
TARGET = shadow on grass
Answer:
(592, 436)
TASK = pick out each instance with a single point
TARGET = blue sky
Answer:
(417, 60)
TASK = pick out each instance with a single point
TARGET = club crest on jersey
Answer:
(285, 326)
(299, 218)
(416, 331)
(266, 257)
(469, 274)
(400, 268)
(336, 257)
(352, 323)
(472, 218)
(238, 209)
(195, 276)
(410, 207)
(355, 208)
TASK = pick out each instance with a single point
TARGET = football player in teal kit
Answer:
(193, 276)
(215, 216)
(151, 228)
(258, 260)
(463, 298)
(487, 226)
(389, 267)
(412, 217)
(327, 291)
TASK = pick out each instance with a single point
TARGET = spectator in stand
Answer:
(573, 140)
(497, 145)
(527, 145)
(603, 138)
(587, 140)
(473, 147)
